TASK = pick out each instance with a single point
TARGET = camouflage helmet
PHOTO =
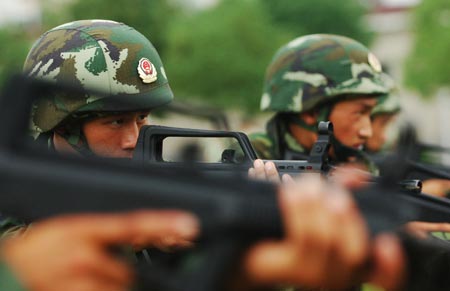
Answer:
(387, 104)
(99, 55)
(319, 68)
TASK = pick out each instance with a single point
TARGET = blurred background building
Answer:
(19, 11)
(394, 24)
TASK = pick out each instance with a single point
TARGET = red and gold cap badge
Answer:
(147, 71)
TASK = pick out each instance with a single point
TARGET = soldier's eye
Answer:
(360, 112)
(142, 117)
(117, 121)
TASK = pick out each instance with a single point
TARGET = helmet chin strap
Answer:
(72, 131)
(322, 115)
(75, 137)
(342, 152)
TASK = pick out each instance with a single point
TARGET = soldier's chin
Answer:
(110, 154)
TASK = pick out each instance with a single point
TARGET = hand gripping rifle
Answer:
(233, 211)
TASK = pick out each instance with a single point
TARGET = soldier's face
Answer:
(351, 121)
(116, 135)
(380, 124)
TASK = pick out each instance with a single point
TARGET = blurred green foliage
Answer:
(150, 17)
(428, 66)
(320, 16)
(218, 55)
(13, 51)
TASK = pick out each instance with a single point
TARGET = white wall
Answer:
(392, 45)
(19, 11)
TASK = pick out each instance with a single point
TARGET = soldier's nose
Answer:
(366, 132)
(130, 136)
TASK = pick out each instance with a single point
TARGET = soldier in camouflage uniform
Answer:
(382, 115)
(318, 78)
(99, 56)
(103, 56)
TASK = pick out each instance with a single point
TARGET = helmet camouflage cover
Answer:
(314, 69)
(387, 104)
(99, 55)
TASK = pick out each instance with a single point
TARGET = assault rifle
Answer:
(216, 117)
(411, 150)
(36, 184)
(149, 150)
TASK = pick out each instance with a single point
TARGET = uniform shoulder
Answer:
(263, 145)
(9, 281)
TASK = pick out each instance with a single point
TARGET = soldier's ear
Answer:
(309, 117)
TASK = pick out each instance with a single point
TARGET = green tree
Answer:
(220, 55)
(150, 17)
(427, 68)
(320, 16)
(13, 51)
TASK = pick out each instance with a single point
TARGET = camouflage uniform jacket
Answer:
(277, 143)
(8, 281)
(10, 226)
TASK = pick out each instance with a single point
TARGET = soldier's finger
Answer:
(352, 241)
(311, 227)
(145, 226)
(279, 263)
(270, 262)
(426, 227)
(272, 172)
(90, 283)
(260, 172)
(300, 205)
(315, 245)
(251, 173)
(105, 267)
(389, 263)
(346, 254)
(350, 177)
(287, 179)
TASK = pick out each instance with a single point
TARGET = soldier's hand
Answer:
(326, 244)
(265, 171)
(72, 253)
(436, 187)
(423, 229)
